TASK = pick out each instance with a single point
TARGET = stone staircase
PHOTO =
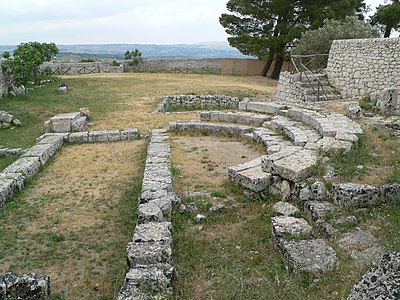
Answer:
(312, 84)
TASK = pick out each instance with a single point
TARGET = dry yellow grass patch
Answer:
(77, 226)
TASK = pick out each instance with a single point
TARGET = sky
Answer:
(114, 21)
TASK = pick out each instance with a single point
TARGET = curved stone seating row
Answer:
(13, 177)
(149, 255)
(246, 118)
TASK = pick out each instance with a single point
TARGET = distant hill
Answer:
(116, 51)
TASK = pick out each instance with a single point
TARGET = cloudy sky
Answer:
(113, 21)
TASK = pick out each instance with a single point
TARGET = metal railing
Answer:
(302, 65)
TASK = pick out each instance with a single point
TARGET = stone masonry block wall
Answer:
(3, 86)
(156, 65)
(289, 88)
(198, 101)
(363, 66)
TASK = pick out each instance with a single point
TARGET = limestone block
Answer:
(148, 254)
(79, 137)
(295, 167)
(98, 136)
(317, 210)
(27, 166)
(7, 189)
(43, 151)
(352, 195)
(381, 281)
(47, 126)
(28, 286)
(319, 191)
(56, 139)
(284, 228)
(390, 192)
(18, 179)
(146, 282)
(5, 117)
(78, 124)
(129, 134)
(362, 246)
(285, 208)
(153, 232)
(113, 136)
(309, 255)
(148, 212)
(165, 205)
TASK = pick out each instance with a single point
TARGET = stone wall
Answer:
(158, 65)
(3, 86)
(198, 101)
(82, 68)
(289, 89)
(362, 66)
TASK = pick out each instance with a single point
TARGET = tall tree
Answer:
(387, 17)
(264, 28)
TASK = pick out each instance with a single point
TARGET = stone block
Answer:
(146, 282)
(319, 210)
(390, 192)
(129, 134)
(43, 151)
(56, 139)
(78, 124)
(98, 136)
(352, 195)
(28, 286)
(153, 232)
(288, 228)
(27, 166)
(381, 281)
(148, 212)
(295, 167)
(285, 208)
(7, 189)
(113, 136)
(79, 137)
(315, 256)
(148, 254)
(18, 178)
(61, 126)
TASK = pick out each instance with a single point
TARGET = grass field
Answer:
(75, 217)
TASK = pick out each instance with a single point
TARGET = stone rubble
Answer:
(149, 255)
(7, 120)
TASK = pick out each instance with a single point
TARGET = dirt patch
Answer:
(204, 160)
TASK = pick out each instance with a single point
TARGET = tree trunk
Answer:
(268, 64)
(388, 29)
(278, 65)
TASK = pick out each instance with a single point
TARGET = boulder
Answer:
(62, 88)
(354, 111)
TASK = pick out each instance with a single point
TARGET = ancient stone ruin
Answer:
(68, 122)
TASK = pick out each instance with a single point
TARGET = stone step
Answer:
(288, 228)
(210, 128)
(322, 97)
(250, 176)
(294, 164)
(299, 133)
(262, 107)
(313, 255)
(270, 139)
(245, 118)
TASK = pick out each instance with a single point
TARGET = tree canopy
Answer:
(320, 40)
(264, 28)
(24, 64)
(134, 57)
(387, 17)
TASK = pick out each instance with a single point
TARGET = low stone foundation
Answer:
(149, 255)
(198, 101)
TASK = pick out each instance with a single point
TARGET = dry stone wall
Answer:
(289, 89)
(363, 66)
(82, 68)
(157, 65)
(3, 89)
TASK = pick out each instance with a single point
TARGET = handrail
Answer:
(302, 69)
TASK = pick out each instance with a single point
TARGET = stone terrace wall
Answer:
(82, 68)
(3, 87)
(157, 65)
(362, 66)
(289, 88)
